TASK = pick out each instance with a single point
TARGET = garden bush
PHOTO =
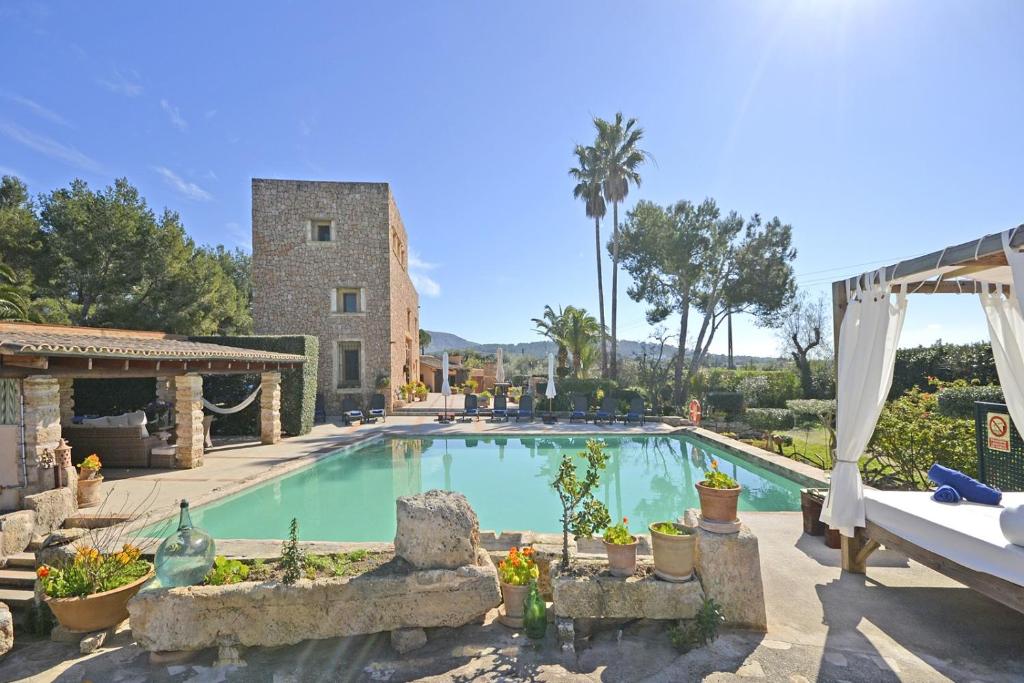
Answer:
(769, 419)
(769, 388)
(910, 436)
(958, 400)
(729, 402)
(916, 367)
(809, 411)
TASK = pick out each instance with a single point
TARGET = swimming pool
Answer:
(350, 496)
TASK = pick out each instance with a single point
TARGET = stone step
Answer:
(16, 598)
(17, 578)
(21, 560)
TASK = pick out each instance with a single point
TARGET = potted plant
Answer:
(515, 573)
(90, 591)
(89, 481)
(582, 512)
(719, 495)
(485, 399)
(621, 548)
(674, 547)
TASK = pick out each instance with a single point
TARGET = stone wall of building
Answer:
(405, 305)
(294, 275)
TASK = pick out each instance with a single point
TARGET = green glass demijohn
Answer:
(535, 614)
(184, 557)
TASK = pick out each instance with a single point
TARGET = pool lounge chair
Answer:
(377, 409)
(500, 411)
(607, 411)
(962, 541)
(579, 408)
(350, 412)
(472, 408)
(525, 410)
(636, 411)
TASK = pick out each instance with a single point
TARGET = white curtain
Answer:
(1005, 317)
(867, 352)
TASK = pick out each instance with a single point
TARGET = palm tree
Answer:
(620, 158)
(581, 332)
(13, 302)
(552, 326)
(589, 177)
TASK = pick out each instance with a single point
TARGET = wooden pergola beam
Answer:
(112, 368)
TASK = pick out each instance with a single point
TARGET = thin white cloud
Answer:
(184, 187)
(36, 108)
(123, 83)
(48, 147)
(174, 115)
(424, 284)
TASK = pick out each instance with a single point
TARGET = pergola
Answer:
(47, 358)
(869, 310)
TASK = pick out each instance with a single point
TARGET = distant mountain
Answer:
(446, 341)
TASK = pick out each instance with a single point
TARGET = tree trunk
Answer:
(565, 540)
(804, 366)
(600, 300)
(615, 291)
(684, 319)
(731, 363)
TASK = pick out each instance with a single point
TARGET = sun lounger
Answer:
(579, 408)
(525, 410)
(607, 410)
(500, 411)
(962, 541)
(350, 412)
(636, 411)
(377, 404)
(472, 408)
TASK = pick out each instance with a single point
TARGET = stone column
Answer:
(270, 407)
(66, 387)
(42, 427)
(188, 409)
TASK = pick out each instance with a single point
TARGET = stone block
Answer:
(406, 640)
(594, 593)
(389, 598)
(17, 529)
(52, 508)
(6, 629)
(437, 530)
(729, 566)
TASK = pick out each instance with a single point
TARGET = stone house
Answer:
(331, 259)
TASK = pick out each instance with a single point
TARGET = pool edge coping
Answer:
(803, 474)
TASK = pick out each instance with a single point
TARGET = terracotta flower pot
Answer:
(811, 503)
(674, 555)
(89, 491)
(621, 557)
(98, 611)
(514, 597)
(718, 505)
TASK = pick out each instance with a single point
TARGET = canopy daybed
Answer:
(963, 541)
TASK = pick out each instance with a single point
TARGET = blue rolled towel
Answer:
(946, 494)
(968, 488)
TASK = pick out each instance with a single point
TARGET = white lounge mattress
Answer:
(966, 533)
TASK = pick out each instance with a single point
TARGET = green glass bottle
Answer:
(535, 613)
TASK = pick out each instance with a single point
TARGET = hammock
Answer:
(231, 411)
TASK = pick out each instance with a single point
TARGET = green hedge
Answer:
(769, 419)
(298, 386)
(959, 401)
(589, 388)
(761, 388)
(730, 402)
(947, 362)
(808, 411)
(113, 396)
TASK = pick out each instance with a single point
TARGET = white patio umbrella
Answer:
(446, 388)
(499, 371)
(550, 390)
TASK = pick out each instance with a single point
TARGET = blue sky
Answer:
(878, 130)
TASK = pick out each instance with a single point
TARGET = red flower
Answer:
(43, 572)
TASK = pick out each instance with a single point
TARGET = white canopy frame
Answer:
(987, 267)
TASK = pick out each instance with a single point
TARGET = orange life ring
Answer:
(695, 413)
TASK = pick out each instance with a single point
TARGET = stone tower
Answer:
(331, 259)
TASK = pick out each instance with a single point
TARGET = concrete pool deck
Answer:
(902, 623)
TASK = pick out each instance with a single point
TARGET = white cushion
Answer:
(137, 419)
(96, 422)
(118, 420)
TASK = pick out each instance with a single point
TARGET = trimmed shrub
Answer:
(729, 402)
(808, 411)
(298, 386)
(917, 367)
(113, 396)
(958, 401)
(771, 390)
(769, 419)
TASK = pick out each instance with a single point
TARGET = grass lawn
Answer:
(809, 446)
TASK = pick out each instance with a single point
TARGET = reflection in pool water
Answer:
(351, 496)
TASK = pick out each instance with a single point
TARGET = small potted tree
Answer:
(89, 481)
(582, 513)
(515, 573)
(719, 496)
(674, 546)
(620, 545)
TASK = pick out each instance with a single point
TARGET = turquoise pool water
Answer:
(351, 496)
